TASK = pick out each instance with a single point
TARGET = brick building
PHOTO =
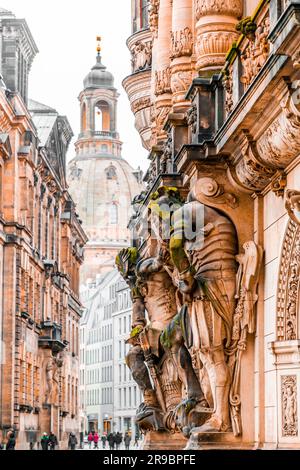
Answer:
(41, 250)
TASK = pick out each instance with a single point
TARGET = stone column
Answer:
(215, 31)
(162, 70)
(181, 52)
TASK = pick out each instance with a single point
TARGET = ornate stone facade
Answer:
(41, 250)
(221, 335)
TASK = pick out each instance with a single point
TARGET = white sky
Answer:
(65, 33)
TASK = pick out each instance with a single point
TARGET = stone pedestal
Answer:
(159, 440)
(216, 441)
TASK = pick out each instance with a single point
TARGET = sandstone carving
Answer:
(289, 405)
(224, 7)
(163, 81)
(141, 56)
(200, 297)
(182, 43)
(153, 16)
(256, 53)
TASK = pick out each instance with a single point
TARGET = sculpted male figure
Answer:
(207, 270)
(153, 292)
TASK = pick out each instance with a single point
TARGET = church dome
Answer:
(99, 77)
(103, 189)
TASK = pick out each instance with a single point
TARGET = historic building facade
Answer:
(41, 250)
(108, 394)
(101, 181)
(215, 93)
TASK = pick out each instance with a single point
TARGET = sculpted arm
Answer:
(177, 251)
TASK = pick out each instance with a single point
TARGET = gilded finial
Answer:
(98, 38)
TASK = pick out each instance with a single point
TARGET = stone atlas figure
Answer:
(199, 294)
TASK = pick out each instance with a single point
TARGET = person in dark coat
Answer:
(127, 440)
(44, 441)
(111, 441)
(11, 440)
(72, 441)
(52, 441)
(118, 440)
(103, 439)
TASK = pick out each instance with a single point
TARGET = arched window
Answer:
(102, 116)
(104, 148)
(83, 118)
(113, 214)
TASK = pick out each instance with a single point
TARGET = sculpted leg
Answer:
(219, 376)
(135, 361)
(173, 342)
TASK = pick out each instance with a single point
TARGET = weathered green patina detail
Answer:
(247, 27)
(126, 259)
(136, 331)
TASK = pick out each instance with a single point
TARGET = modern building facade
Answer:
(108, 394)
(216, 102)
(41, 250)
(101, 181)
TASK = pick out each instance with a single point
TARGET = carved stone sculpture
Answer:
(289, 405)
(51, 370)
(141, 56)
(182, 43)
(200, 296)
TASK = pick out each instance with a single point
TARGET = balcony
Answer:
(51, 337)
(138, 84)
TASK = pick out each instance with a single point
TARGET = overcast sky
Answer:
(65, 33)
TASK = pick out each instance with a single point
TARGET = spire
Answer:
(99, 39)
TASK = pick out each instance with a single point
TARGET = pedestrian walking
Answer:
(118, 440)
(96, 440)
(136, 441)
(11, 440)
(72, 441)
(103, 439)
(111, 441)
(52, 441)
(90, 439)
(44, 441)
(127, 440)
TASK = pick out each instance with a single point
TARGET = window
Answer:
(102, 116)
(113, 214)
(111, 173)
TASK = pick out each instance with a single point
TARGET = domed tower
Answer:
(101, 182)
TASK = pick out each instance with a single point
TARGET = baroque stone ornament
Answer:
(141, 56)
(207, 190)
(244, 321)
(288, 286)
(200, 297)
(256, 53)
(225, 7)
(182, 43)
(279, 144)
(289, 405)
(215, 31)
(163, 81)
(153, 16)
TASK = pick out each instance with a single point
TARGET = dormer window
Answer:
(111, 173)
